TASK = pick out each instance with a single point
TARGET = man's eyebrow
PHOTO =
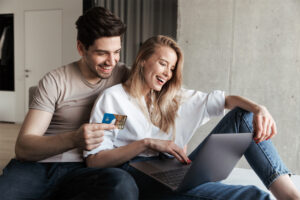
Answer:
(105, 51)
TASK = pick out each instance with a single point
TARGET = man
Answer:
(48, 162)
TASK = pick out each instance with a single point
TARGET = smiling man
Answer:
(99, 60)
(48, 162)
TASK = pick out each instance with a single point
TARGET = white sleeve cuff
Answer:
(106, 144)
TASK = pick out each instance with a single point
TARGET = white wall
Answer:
(249, 48)
(72, 9)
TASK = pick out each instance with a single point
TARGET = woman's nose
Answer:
(167, 72)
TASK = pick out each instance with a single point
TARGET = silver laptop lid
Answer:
(216, 158)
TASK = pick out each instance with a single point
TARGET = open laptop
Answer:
(214, 161)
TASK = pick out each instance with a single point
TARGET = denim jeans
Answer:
(262, 157)
(34, 180)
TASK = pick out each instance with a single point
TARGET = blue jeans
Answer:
(262, 157)
(34, 180)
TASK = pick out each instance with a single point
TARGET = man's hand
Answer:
(90, 136)
(263, 124)
(170, 147)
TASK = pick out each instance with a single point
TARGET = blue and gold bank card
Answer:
(117, 120)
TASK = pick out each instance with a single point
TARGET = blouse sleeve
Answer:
(196, 109)
(215, 104)
(103, 104)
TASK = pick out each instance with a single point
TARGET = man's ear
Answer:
(80, 48)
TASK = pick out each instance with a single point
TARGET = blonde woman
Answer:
(162, 117)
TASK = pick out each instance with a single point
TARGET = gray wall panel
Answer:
(249, 48)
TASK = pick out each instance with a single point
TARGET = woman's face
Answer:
(158, 68)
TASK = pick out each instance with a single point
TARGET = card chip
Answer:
(118, 120)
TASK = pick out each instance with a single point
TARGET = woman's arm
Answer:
(118, 156)
(263, 123)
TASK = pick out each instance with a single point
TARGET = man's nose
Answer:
(111, 60)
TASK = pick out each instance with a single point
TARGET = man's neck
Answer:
(87, 74)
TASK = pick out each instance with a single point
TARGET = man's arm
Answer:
(33, 145)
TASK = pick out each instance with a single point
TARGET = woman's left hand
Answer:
(263, 124)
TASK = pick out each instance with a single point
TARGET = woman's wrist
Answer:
(258, 109)
(147, 142)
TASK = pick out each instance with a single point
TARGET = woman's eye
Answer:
(163, 64)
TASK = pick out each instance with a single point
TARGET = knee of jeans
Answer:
(244, 115)
(124, 185)
(241, 111)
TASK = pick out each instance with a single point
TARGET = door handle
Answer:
(27, 70)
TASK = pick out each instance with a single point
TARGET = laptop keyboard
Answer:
(172, 177)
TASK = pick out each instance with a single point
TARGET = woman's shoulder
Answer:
(195, 96)
(189, 92)
(110, 96)
(114, 92)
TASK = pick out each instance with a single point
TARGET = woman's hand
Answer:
(263, 124)
(170, 147)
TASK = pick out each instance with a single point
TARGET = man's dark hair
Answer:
(98, 22)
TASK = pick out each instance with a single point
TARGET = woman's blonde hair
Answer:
(165, 103)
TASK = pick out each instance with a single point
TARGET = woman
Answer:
(162, 117)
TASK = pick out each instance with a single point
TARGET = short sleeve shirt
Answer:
(69, 97)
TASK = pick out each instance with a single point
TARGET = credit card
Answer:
(117, 120)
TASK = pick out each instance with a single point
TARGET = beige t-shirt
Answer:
(69, 97)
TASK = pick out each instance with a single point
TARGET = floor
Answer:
(9, 132)
(247, 177)
(8, 135)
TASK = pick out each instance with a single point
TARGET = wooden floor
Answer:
(8, 136)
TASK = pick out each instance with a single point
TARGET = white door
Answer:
(43, 45)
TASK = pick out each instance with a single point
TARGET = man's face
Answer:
(101, 57)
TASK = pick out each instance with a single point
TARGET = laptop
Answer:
(215, 159)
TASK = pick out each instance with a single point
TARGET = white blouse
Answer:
(196, 109)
